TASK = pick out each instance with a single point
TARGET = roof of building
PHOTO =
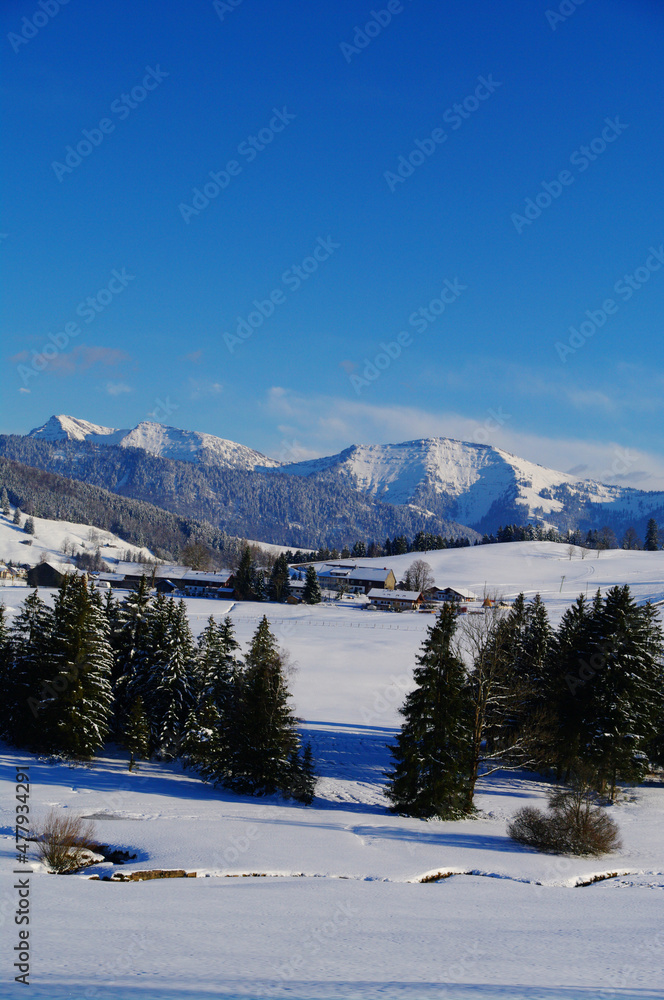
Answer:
(394, 595)
(467, 595)
(354, 572)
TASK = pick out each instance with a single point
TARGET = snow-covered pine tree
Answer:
(4, 503)
(29, 526)
(266, 741)
(168, 679)
(622, 699)
(433, 752)
(568, 653)
(524, 730)
(311, 591)
(130, 634)
(6, 674)
(77, 711)
(217, 664)
(260, 587)
(28, 669)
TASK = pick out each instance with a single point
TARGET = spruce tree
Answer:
(311, 591)
(652, 536)
(77, 710)
(4, 503)
(260, 588)
(167, 679)
(130, 632)
(279, 587)
(433, 752)
(136, 734)
(623, 701)
(29, 670)
(245, 577)
(217, 665)
(266, 742)
(29, 526)
(17, 517)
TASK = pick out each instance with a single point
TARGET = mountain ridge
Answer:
(464, 485)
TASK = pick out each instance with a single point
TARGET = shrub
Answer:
(573, 825)
(64, 842)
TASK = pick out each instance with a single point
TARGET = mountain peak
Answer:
(156, 439)
(62, 427)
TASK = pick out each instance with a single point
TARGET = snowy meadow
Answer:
(342, 898)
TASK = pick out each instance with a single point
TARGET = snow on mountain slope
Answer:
(64, 428)
(191, 446)
(469, 478)
(50, 537)
(157, 439)
(473, 475)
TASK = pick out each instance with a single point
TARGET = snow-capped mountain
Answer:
(156, 439)
(474, 484)
(461, 484)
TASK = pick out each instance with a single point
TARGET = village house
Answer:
(450, 594)
(355, 579)
(398, 600)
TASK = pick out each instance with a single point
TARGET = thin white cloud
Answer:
(117, 388)
(324, 425)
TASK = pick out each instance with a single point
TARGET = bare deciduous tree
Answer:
(419, 576)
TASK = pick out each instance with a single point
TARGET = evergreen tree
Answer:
(652, 536)
(28, 670)
(136, 735)
(168, 685)
(303, 779)
(279, 587)
(266, 743)
(244, 579)
(217, 664)
(432, 756)
(260, 589)
(311, 592)
(569, 649)
(7, 721)
(77, 710)
(29, 526)
(524, 730)
(622, 702)
(17, 517)
(130, 635)
(4, 503)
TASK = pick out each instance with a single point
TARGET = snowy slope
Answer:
(64, 428)
(473, 478)
(157, 439)
(49, 541)
(471, 484)
(335, 908)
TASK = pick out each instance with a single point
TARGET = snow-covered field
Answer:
(51, 537)
(331, 904)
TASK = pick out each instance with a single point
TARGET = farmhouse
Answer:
(184, 581)
(399, 600)
(451, 594)
(45, 575)
(355, 579)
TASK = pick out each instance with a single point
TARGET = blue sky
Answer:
(434, 200)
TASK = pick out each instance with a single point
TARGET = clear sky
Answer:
(416, 207)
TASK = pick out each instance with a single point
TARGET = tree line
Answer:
(89, 670)
(506, 690)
